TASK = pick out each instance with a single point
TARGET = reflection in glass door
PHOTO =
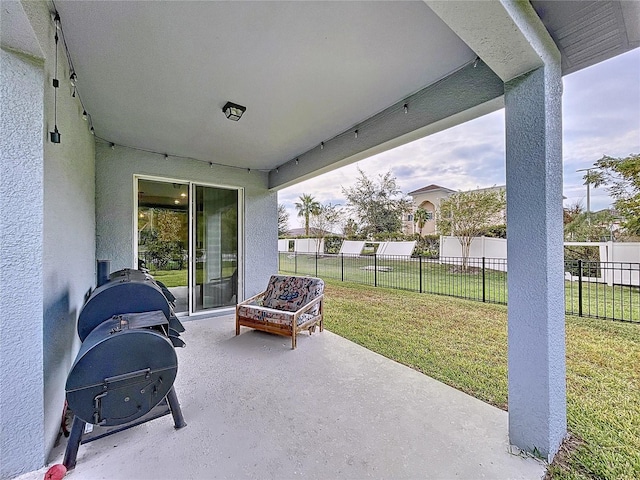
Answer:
(215, 248)
(162, 220)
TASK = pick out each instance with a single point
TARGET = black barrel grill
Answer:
(124, 372)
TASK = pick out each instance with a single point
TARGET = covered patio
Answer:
(330, 409)
(98, 97)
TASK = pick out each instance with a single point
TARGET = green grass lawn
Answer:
(464, 344)
(598, 300)
(178, 278)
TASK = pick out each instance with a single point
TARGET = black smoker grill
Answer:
(124, 372)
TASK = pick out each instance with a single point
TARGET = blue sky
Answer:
(601, 115)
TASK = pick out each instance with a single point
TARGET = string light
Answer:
(406, 108)
(249, 170)
(55, 135)
(277, 170)
(113, 146)
(297, 161)
(321, 145)
(73, 77)
(356, 133)
(475, 62)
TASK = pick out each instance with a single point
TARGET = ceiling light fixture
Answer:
(233, 111)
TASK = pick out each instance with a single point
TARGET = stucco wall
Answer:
(49, 226)
(115, 169)
(21, 221)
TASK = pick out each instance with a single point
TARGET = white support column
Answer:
(537, 391)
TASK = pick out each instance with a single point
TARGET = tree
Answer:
(622, 177)
(163, 236)
(420, 218)
(306, 207)
(466, 215)
(378, 205)
(325, 218)
(570, 213)
(283, 221)
(350, 229)
(590, 227)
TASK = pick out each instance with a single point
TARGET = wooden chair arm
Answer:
(249, 300)
(306, 307)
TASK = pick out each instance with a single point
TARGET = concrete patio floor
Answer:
(328, 410)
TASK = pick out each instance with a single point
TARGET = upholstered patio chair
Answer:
(288, 306)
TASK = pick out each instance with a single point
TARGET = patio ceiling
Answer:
(155, 75)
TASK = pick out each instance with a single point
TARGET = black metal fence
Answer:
(154, 262)
(592, 289)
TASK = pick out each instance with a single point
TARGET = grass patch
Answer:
(464, 344)
(178, 278)
(171, 278)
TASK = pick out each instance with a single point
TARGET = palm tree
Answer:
(421, 216)
(306, 207)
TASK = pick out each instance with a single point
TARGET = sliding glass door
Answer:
(215, 234)
(163, 235)
(187, 237)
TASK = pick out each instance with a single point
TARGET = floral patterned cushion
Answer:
(291, 293)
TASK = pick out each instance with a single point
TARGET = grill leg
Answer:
(71, 452)
(176, 411)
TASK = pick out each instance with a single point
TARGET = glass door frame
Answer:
(191, 237)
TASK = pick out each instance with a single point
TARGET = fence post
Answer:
(342, 267)
(375, 269)
(316, 264)
(579, 288)
(295, 262)
(484, 298)
(420, 258)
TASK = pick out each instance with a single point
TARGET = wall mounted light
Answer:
(233, 111)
